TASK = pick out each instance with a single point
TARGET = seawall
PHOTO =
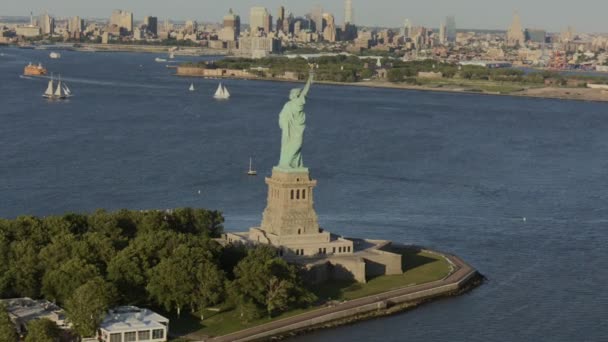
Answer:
(463, 278)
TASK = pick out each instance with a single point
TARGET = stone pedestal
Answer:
(290, 211)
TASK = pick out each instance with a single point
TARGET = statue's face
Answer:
(294, 93)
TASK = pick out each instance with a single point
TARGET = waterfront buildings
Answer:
(231, 29)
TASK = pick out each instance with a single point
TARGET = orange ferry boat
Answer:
(34, 70)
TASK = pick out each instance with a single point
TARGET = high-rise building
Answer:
(75, 24)
(515, 34)
(191, 26)
(260, 19)
(406, 31)
(443, 33)
(536, 36)
(450, 29)
(330, 32)
(348, 12)
(232, 27)
(317, 18)
(281, 19)
(151, 25)
(122, 19)
(47, 24)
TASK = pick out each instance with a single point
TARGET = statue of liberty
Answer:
(292, 121)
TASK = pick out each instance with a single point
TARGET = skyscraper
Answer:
(442, 33)
(407, 28)
(122, 19)
(281, 19)
(348, 12)
(450, 29)
(329, 33)
(260, 19)
(75, 24)
(515, 34)
(317, 18)
(151, 25)
(47, 24)
(232, 27)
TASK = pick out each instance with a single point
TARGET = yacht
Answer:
(55, 55)
(191, 87)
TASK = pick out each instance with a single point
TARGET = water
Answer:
(453, 172)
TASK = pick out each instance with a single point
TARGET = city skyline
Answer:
(496, 15)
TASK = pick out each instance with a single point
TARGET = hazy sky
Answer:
(553, 15)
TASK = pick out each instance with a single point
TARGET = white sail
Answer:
(49, 89)
(191, 86)
(226, 93)
(59, 90)
(219, 93)
(66, 90)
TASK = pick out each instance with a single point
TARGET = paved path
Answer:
(463, 272)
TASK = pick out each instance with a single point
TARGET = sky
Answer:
(552, 15)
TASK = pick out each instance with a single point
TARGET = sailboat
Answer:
(251, 171)
(55, 93)
(221, 93)
(191, 87)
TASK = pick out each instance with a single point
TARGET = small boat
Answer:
(171, 55)
(191, 87)
(160, 60)
(221, 93)
(251, 171)
(55, 55)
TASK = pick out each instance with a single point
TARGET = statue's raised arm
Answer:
(308, 84)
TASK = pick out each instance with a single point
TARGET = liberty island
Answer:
(290, 224)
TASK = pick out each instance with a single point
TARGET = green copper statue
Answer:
(292, 121)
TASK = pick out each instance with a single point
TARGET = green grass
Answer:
(478, 85)
(419, 268)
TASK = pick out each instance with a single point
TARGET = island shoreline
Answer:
(603, 97)
(462, 279)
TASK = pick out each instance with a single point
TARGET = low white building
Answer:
(23, 310)
(130, 324)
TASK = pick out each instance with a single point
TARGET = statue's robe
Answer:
(292, 121)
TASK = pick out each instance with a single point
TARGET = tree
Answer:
(266, 283)
(395, 75)
(59, 284)
(25, 269)
(8, 332)
(87, 307)
(188, 276)
(42, 330)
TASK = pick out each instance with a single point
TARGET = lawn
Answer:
(419, 267)
(478, 85)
